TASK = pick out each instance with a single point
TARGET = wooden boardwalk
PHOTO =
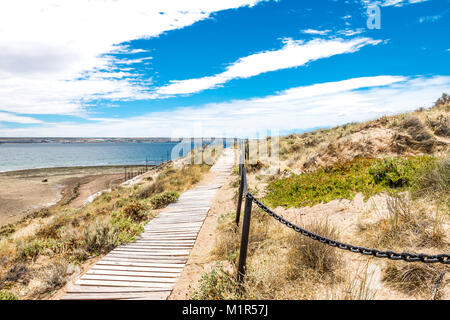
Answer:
(148, 268)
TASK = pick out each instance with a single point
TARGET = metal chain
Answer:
(406, 256)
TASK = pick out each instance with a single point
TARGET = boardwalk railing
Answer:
(250, 199)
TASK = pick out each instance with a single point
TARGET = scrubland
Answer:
(381, 184)
(43, 251)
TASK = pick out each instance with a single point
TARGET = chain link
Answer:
(391, 255)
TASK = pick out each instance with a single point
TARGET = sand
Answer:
(25, 191)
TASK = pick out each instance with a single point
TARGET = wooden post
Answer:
(192, 151)
(244, 239)
(247, 150)
(125, 177)
(241, 191)
(257, 146)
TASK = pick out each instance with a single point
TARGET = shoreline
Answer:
(23, 192)
(112, 166)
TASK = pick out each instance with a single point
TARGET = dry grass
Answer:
(409, 224)
(356, 286)
(33, 247)
(417, 132)
(440, 125)
(100, 237)
(54, 276)
(284, 265)
(414, 136)
(311, 254)
(434, 184)
(174, 179)
(416, 278)
(280, 263)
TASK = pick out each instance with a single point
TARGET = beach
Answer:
(25, 191)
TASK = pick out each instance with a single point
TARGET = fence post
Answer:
(192, 151)
(241, 191)
(244, 238)
(247, 150)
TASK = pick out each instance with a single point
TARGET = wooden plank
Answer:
(169, 232)
(135, 255)
(153, 252)
(103, 289)
(125, 262)
(160, 246)
(167, 249)
(133, 273)
(157, 259)
(173, 230)
(106, 283)
(118, 295)
(159, 242)
(138, 269)
(168, 237)
(127, 278)
(185, 224)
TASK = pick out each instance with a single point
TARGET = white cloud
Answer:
(351, 32)
(292, 54)
(318, 32)
(8, 117)
(52, 50)
(325, 104)
(389, 3)
(430, 18)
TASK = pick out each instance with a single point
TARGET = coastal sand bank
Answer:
(25, 191)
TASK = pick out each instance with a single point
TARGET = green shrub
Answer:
(107, 197)
(135, 211)
(125, 228)
(100, 237)
(398, 172)
(343, 181)
(154, 188)
(164, 199)
(32, 249)
(6, 295)
(216, 285)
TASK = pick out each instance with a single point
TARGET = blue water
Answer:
(17, 156)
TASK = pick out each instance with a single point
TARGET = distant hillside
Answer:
(424, 131)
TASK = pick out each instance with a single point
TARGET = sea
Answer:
(18, 156)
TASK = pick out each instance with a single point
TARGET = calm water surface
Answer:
(17, 156)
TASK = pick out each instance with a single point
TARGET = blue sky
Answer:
(140, 68)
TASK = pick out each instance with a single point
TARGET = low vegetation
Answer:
(306, 253)
(164, 199)
(417, 278)
(344, 181)
(6, 295)
(400, 163)
(45, 248)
